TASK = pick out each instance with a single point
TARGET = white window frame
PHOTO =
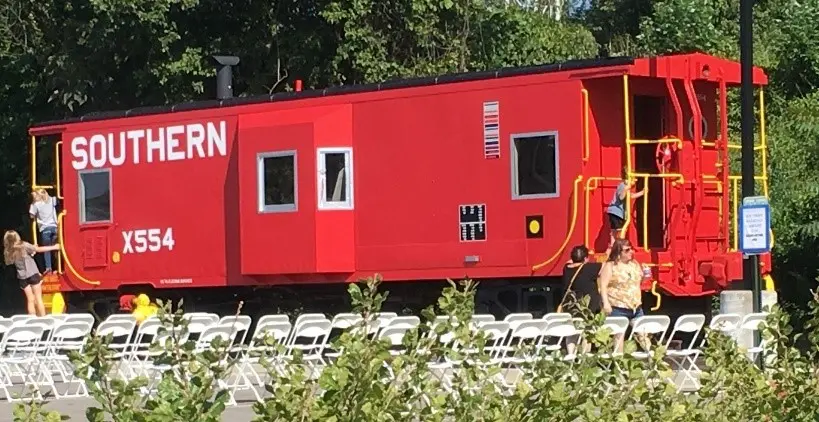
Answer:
(321, 178)
(260, 182)
(514, 167)
(81, 190)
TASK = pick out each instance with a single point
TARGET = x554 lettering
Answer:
(147, 240)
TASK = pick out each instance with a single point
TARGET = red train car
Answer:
(491, 175)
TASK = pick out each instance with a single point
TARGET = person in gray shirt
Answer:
(44, 209)
(19, 253)
(617, 207)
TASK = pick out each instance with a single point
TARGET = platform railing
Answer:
(733, 180)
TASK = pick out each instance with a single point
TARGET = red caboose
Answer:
(490, 175)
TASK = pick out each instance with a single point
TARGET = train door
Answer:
(649, 123)
(46, 173)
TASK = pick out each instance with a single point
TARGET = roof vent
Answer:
(224, 76)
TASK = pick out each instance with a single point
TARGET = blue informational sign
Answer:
(755, 225)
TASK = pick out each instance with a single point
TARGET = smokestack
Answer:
(224, 76)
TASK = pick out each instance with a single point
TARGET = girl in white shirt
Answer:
(44, 209)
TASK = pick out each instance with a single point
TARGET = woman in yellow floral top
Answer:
(619, 283)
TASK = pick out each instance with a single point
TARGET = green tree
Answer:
(794, 149)
(377, 41)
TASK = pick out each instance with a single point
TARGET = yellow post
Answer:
(656, 295)
(585, 94)
(645, 214)
(764, 141)
(59, 188)
(627, 119)
(735, 190)
(57, 304)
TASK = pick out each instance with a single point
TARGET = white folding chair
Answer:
(120, 317)
(382, 319)
(751, 322)
(225, 334)
(616, 326)
(646, 326)
(240, 324)
(79, 317)
(122, 329)
(268, 334)
(560, 329)
(21, 317)
(726, 324)
(522, 333)
(516, 318)
(408, 322)
(686, 358)
(5, 324)
(200, 321)
(317, 333)
(480, 319)
(18, 357)
(304, 318)
(68, 336)
(280, 318)
(557, 316)
(166, 337)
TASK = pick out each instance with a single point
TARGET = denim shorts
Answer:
(626, 312)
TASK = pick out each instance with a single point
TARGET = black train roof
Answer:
(349, 89)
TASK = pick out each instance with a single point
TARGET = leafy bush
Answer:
(413, 379)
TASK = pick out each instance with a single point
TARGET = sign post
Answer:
(755, 236)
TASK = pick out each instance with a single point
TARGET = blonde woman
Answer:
(44, 209)
(619, 284)
(19, 253)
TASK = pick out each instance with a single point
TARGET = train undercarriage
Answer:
(537, 295)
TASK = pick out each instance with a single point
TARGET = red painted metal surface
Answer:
(418, 154)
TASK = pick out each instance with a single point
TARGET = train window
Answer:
(277, 184)
(335, 177)
(535, 166)
(95, 196)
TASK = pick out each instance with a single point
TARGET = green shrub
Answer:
(367, 382)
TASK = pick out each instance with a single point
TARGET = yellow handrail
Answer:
(585, 93)
(64, 254)
(657, 295)
(731, 146)
(645, 214)
(660, 176)
(34, 184)
(656, 141)
(763, 138)
(57, 169)
(735, 190)
(34, 237)
(627, 120)
(571, 228)
(662, 264)
(763, 178)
